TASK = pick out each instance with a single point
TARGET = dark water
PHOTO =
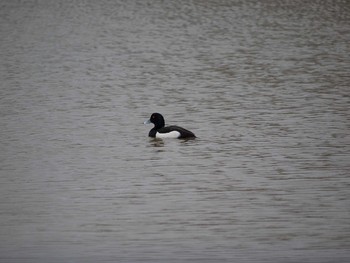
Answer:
(264, 86)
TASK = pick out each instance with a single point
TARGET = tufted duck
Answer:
(160, 131)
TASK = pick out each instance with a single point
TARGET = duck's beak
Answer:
(147, 122)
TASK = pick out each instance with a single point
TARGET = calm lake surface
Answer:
(264, 86)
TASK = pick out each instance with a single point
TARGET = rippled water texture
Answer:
(263, 84)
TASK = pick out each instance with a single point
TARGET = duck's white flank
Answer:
(172, 134)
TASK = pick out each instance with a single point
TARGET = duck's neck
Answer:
(159, 125)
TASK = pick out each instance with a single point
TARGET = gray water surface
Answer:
(263, 84)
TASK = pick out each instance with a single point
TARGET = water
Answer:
(264, 86)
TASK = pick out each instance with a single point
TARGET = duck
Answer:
(160, 131)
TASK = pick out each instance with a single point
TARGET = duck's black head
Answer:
(158, 120)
